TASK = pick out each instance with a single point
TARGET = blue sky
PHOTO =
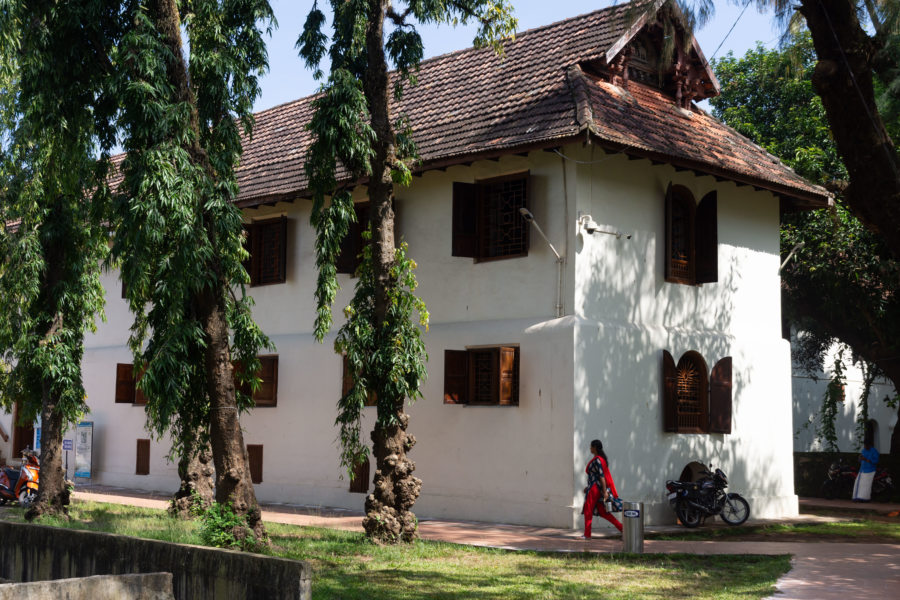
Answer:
(288, 79)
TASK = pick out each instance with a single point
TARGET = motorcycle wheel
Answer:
(736, 510)
(689, 516)
(829, 489)
(27, 497)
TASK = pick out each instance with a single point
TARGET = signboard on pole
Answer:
(84, 439)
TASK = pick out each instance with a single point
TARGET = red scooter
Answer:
(21, 485)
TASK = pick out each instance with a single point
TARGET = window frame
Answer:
(254, 236)
(715, 395)
(264, 359)
(472, 211)
(127, 391)
(461, 374)
(699, 237)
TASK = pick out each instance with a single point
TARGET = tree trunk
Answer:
(232, 464)
(843, 78)
(388, 515)
(53, 494)
(197, 472)
(226, 438)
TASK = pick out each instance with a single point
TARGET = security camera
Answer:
(526, 214)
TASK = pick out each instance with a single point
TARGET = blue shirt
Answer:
(868, 465)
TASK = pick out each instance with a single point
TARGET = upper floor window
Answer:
(127, 391)
(266, 241)
(352, 245)
(482, 376)
(487, 224)
(267, 392)
(692, 400)
(692, 249)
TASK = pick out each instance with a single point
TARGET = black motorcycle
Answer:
(693, 501)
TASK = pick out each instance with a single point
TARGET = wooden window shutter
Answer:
(465, 219)
(707, 239)
(124, 384)
(255, 460)
(244, 388)
(347, 378)
(347, 382)
(267, 393)
(142, 463)
(456, 377)
(139, 397)
(253, 253)
(352, 245)
(509, 393)
(669, 400)
(720, 397)
(667, 259)
(359, 483)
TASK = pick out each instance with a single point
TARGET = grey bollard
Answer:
(634, 527)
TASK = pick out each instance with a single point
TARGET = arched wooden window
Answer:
(691, 408)
(691, 251)
(692, 400)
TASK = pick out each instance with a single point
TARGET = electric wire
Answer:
(719, 47)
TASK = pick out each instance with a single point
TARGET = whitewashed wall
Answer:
(495, 463)
(628, 314)
(592, 373)
(808, 393)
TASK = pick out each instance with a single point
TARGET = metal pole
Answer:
(634, 527)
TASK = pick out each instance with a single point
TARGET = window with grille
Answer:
(266, 241)
(487, 224)
(482, 376)
(691, 232)
(694, 401)
(267, 392)
(127, 391)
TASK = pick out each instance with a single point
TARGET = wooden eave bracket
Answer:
(639, 23)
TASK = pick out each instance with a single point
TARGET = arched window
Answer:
(691, 252)
(693, 399)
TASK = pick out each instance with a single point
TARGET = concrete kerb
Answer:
(143, 586)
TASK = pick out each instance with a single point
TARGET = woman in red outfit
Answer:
(600, 487)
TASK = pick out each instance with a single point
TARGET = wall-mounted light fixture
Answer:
(589, 225)
(529, 218)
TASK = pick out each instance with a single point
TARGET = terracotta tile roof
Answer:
(471, 104)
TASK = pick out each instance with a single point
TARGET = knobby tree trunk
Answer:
(388, 509)
(197, 474)
(232, 464)
(843, 78)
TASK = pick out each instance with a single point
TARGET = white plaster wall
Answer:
(629, 314)
(6, 424)
(508, 464)
(808, 392)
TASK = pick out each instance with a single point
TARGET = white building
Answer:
(573, 125)
(808, 394)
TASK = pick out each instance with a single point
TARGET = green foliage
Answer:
(842, 284)
(832, 400)
(56, 115)
(218, 525)
(385, 351)
(179, 234)
(388, 356)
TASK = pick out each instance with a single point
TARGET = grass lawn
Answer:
(853, 530)
(346, 566)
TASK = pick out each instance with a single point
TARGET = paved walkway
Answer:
(821, 571)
